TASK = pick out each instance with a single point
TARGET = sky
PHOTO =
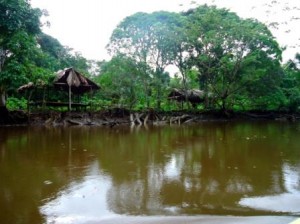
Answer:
(86, 25)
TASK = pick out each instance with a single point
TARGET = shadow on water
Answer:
(82, 173)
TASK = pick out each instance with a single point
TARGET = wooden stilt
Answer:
(70, 97)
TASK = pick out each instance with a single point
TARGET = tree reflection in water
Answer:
(212, 168)
(206, 169)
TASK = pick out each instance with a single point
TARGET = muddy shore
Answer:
(118, 116)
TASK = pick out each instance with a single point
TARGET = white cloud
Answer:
(86, 25)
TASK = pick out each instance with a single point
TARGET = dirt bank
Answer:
(118, 116)
(12, 117)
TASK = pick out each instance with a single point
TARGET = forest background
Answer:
(236, 62)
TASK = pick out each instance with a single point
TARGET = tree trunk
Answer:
(185, 87)
(10, 117)
(2, 99)
(224, 106)
(158, 98)
(4, 114)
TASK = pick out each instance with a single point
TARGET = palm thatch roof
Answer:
(22, 88)
(70, 79)
(191, 95)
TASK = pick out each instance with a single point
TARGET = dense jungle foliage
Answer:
(236, 62)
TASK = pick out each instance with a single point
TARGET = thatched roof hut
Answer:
(194, 96)
(71, 80)
(68, 80)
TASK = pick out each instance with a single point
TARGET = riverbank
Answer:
(119, 116)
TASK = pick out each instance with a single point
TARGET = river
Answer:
(83, 174)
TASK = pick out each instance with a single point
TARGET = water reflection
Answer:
(286, 202)
(35, 166)
(207, 169)
(94, 173)
(81, 201)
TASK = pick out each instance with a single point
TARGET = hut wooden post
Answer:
(70, 97)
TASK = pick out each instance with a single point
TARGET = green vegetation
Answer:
(236, 62)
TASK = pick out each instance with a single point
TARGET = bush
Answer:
(14, 103)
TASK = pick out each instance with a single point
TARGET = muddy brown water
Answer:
(79, 174)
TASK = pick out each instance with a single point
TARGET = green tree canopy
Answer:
(121, 79)
(147, 38)
(19, 24)
(228, 52)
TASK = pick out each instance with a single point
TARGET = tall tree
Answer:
(122, 79)
(19, 24)
(60, 56)
(224, 48)
(146, 38)
(290, 85)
